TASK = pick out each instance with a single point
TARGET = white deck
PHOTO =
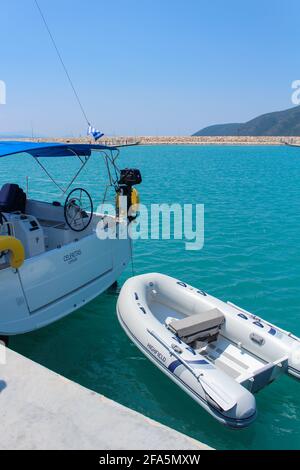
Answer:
(42, 410)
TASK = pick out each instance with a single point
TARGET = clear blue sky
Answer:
(146, 66)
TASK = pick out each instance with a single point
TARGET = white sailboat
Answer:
(51, 259)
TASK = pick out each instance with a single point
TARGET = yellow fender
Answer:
(15, 248)
(135, 199)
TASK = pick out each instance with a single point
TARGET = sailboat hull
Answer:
(56, 283)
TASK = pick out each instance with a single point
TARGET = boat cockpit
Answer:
(40, 226)
(57, 256)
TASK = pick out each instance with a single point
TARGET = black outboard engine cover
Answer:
(130, 177)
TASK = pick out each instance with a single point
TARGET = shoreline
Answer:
(176, 140)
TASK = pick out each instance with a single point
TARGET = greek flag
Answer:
(93, 132)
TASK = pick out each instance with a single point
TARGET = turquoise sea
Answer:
(251, 256)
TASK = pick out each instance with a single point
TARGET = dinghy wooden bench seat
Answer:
(203, 326)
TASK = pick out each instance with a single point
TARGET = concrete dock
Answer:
(43, 410)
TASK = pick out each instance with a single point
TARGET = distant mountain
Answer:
(281, 123)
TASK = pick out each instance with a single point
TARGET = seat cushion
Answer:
(198, 326)
(12, 198)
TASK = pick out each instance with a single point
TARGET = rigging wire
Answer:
(92, 131)
(132, 259)
(62, 63)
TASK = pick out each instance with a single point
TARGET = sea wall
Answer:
(181, 140)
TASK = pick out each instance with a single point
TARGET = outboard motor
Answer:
(129, 177)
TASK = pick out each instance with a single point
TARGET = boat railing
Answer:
(46, 180)
(92, 186)
(33, 190)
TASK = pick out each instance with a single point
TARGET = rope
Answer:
(62, 63)
(132, 260)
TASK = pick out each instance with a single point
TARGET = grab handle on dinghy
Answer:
(216, 396)
(271, 325)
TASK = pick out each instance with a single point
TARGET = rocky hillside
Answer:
(281, 123)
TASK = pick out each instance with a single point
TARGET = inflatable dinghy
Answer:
(216, 352)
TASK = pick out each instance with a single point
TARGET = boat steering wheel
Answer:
(78, 210)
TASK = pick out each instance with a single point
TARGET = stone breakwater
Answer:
(182, 140)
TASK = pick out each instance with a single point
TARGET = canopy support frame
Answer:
(64, 190)
(109, 160)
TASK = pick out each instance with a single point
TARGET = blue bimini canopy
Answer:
(47, 149)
